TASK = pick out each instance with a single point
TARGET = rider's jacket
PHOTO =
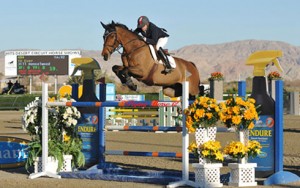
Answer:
(153, 33)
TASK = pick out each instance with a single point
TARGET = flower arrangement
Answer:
(254, 148)
(216, 76)
(274, 76)
(210, 150)
(203, 112)
(63, 137)
(193, 149)
(238, 150)
(238, 112)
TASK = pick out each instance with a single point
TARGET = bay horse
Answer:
(139, 63)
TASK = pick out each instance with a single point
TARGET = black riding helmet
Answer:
(142, 21)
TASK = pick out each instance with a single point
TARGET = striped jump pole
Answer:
(149, 103)
(152, 128)
(143, 128)
(147, 154)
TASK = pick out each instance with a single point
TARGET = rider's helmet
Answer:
(142, 21)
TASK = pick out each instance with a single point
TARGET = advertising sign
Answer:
(12, 152)
(264, 134)
(40, 62)
(88, 131)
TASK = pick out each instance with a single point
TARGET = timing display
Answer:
(46, 64)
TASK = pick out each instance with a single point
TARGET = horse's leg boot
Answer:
(130, 84)
(165, 59)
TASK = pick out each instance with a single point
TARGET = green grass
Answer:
(15, 102)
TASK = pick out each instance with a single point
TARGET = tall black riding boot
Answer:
(165, 60)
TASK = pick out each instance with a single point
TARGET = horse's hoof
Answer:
(132, 87)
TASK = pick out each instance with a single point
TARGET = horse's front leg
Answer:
(123, 75)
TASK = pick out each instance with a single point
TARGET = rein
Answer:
(122, 45)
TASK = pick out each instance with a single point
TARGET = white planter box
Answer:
(242, 175)
(67, 165)
(207, 175)
(52, 164)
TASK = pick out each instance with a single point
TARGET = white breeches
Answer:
(161, 42)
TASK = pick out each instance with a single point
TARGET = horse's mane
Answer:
(112, 25)
(118, 25)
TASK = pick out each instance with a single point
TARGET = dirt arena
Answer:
(10, 125)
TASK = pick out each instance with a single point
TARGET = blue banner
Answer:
(12, 152)
(88, 131)
(264, 134)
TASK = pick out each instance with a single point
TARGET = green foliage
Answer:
(63, 138)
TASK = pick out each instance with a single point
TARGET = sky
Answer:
(75, 24)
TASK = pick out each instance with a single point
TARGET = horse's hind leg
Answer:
(124, 77)
(173, 90)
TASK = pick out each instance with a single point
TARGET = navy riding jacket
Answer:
(153, 33)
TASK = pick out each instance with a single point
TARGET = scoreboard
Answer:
(25, 63)
(49, 65)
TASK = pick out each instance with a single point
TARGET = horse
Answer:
(139, 63)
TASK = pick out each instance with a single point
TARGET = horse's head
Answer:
(110, 39)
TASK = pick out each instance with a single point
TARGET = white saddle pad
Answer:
(171, 59)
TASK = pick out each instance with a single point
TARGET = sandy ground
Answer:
(10, 125)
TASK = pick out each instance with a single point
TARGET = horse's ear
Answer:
(103, 25)
(113, 23)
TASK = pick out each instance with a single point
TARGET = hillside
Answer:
(228, 58)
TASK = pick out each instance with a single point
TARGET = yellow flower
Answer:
(236, 120)
(236, 110)
(219, 156)
(251, 126)
(209, 115)
(205, 153)
(52, 99)
(199, 113)
(192, 146)
(66, 137)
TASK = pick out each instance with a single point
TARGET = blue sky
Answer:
(75, 24)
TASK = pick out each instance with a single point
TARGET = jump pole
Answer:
(185, 142)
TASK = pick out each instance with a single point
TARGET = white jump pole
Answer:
(185, 142)
(44, 137)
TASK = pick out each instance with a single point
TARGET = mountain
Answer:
(227, 58)
(230, 58)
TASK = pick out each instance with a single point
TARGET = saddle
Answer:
(155, 55)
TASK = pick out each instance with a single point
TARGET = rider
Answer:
(155, 36)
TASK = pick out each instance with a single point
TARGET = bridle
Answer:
(117, 45)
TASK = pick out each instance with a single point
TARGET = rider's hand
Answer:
(145, 39)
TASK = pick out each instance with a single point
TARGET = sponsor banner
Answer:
(87, 128)
(12, 152)
(263, 132)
